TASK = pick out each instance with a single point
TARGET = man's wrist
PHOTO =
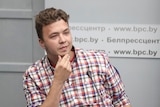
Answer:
(58, 82)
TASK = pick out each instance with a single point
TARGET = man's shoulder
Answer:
(34, 67)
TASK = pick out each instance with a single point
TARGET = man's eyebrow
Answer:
(54, 33)
(67, 29)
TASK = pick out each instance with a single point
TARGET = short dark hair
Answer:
(48, 16)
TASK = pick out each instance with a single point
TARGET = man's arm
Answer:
(61, 74)
(54, 94)
(124, 99)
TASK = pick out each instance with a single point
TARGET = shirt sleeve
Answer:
(115, 86)
(34, 96)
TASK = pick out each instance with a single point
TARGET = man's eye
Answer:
(53, 36)
(67, 32)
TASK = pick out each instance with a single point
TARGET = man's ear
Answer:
(41, 42)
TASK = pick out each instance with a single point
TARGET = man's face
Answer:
(57, 39)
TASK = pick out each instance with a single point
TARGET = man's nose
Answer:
(62, 38)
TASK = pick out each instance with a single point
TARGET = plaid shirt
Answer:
(102, 87)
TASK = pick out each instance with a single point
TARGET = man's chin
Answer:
(63, 54)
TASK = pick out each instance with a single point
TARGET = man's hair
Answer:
(48, 16)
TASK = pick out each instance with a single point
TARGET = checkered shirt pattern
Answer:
(103, 88)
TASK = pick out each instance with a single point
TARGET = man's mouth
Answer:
(63, 48)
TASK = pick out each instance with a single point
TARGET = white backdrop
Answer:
(120, 30)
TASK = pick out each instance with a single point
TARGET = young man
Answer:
(69, 76)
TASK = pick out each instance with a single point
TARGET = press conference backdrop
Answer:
(140, 72)
(120, 28)
(129, 31)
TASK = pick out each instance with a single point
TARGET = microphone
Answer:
(89, 73)
(90, 76)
